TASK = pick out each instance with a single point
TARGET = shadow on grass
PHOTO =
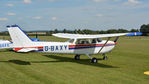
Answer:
(19, 62)
(61, 59)
(6, 50)
(67, 59)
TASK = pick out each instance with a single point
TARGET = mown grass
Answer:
(126, 65)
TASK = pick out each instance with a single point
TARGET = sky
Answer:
(74, 14)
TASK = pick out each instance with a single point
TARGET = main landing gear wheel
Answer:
(105, 57)
(94, 60)
(77, 57)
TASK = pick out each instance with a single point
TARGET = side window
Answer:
(99, 40)
(82, 41)
(94, 41)
(78, 41)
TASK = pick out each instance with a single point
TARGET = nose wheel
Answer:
(93, 60)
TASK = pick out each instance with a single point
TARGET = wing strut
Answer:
(104, 44)
(116, 39)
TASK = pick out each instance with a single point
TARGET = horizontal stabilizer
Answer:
(27, 50)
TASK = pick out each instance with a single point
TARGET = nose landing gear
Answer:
(93, 60)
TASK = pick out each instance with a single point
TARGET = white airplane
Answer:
(78, 44)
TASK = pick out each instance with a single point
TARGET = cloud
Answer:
(132, 2)
(117, 0)
(3, 19)
(37, 18)
(99, 15)
(10, 5)
(11, 14)
(27, 1)
(53, 18)
(97, 1)
(19, 18)
(51, 0)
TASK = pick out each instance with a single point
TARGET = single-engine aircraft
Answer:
(78, 44)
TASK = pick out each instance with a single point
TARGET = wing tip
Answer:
(134, 34)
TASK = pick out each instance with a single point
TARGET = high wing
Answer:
(85, 36)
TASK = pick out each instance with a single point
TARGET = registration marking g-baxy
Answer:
(56, 48)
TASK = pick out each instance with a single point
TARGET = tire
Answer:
(77, 57)
(94, 60)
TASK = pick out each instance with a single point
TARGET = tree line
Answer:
(143, 29)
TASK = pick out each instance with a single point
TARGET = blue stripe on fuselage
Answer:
(71, 48)
(40, 49)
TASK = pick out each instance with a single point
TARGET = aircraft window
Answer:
(82, 41)
(99, 40)
(94, 41)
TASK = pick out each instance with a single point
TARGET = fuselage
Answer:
(69, 48)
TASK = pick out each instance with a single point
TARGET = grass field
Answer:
(126, 65)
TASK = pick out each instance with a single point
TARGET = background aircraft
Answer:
(78, 44)
(5, 44)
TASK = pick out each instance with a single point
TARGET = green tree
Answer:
(87, 31)
(112, 31)
(56, 31)
(134, 30)
(64, 31)
(75, 31)
(145, 29)
(122, 31)
(79, 31)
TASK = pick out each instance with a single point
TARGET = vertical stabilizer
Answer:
(18, 36)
